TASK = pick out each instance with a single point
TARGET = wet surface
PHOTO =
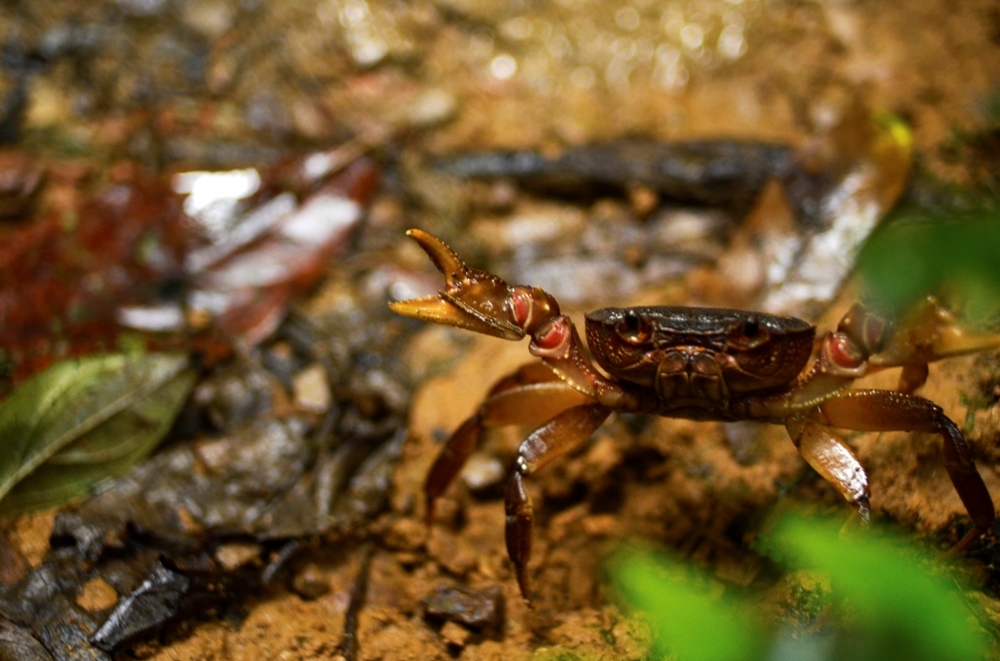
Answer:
(284, 517)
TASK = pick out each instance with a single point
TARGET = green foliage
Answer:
(920, 253)
(893, 602)
(910, 608)
(85, 420)
(682, 611)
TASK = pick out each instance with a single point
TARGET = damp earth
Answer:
(178, 86)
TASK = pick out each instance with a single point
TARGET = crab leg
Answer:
(529, 396)
(552, 440)
(834, 460)
(886, 410)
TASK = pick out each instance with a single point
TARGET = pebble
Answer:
(235, 555)
(476, 609)
(432, 108)
(311, 389)
(482, 472)
(310, 582)
(406, 535)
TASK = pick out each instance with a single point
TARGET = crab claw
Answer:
(472, 299)
(930, 332)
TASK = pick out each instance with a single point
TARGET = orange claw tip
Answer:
(444, 258)
(431, 308)
(438, 310)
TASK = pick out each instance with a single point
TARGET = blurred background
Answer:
(207, 201)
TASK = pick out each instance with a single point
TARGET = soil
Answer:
(701, 490)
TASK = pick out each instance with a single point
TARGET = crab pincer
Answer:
(472, 299)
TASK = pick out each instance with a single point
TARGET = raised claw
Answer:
(930, 332)
(472, 299)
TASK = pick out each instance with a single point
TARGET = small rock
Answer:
(406, 535)
(211, 19)
(236, 395)
(643, 200)
(311, 389)
(454, 634)
(742, 438)
(481, 473)
(235, 555)
(431, 108)
(311, 582)
(476, 609)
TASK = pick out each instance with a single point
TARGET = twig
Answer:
(349, 644)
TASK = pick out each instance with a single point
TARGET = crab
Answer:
(695, 363)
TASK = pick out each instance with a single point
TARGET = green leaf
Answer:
(690, 623)
(84, 420)
(921, 253)
(910, 612)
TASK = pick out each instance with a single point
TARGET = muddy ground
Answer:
(585, 71)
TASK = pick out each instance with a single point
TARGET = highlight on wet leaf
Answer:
(83, 421)
(921, 253)
(689, 622)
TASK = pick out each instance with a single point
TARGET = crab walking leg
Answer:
(552, 440)
(529, 396)
(912, 377)
(834, 460)
(886, 410)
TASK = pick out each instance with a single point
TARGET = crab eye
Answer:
(633, 328)
(748, 334)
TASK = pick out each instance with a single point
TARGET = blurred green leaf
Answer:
(690, 623)
(923, 253)
(909, 612)
(894, 603)
(85, 420)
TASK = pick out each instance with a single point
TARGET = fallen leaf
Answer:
(85, 420)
